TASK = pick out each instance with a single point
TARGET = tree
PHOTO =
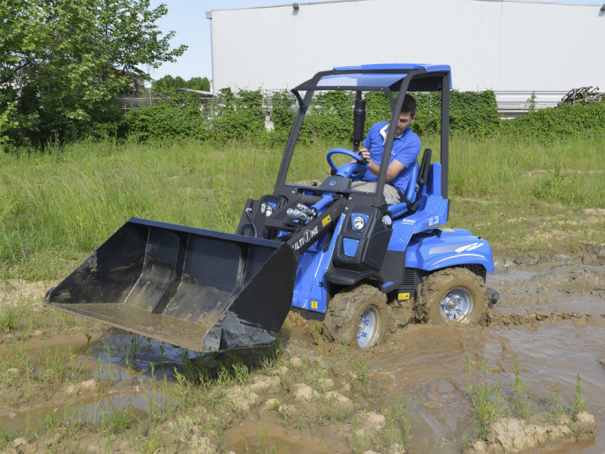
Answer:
(199, 83)
(63, 63)
(167, 83)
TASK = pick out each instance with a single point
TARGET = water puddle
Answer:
(91, 410)
(426, 370)
(108, 359)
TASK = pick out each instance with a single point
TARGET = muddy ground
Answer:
(68, 385)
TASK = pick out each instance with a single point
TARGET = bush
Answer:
(178, 118)
(238, 116)
(283, 114)
(546, 125)
(330, 118)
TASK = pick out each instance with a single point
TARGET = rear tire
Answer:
(358, 316)
(451, 297)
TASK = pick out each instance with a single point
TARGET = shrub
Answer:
(546, 125)
(238, 115)
(177, 118)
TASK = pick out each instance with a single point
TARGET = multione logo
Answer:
(308, 235)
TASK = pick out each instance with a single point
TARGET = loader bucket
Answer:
(198, 289)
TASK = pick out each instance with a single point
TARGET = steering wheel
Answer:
(349, 170)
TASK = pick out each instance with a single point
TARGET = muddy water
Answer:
(551, 317)
(425, 365)
(104, 359)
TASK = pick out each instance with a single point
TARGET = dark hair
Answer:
(409, 105)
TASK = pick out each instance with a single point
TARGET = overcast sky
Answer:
(188, 19)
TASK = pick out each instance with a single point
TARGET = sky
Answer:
(188, 19)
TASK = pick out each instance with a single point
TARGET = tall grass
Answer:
(55, 208)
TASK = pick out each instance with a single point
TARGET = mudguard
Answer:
(434, 249)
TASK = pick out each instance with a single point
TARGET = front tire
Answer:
(358, 316)
(451, 297)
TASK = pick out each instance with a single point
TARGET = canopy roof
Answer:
(379, 77)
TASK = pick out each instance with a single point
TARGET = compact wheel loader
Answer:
(323, 249)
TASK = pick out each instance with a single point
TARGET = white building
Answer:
(514, 47)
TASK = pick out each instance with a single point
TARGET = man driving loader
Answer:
(405, 151)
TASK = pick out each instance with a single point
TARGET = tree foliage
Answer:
(63, 63)
(168, 83)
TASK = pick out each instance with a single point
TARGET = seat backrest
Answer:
(412, 190)
(418, 178)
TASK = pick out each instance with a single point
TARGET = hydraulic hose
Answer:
(243, 228)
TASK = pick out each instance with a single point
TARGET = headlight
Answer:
(387, 221)
(263, 207)
(359, 223)
(269, 210)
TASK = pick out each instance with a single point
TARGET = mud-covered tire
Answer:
(344, 317)
(451, 297)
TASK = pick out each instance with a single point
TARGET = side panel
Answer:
(441, 248)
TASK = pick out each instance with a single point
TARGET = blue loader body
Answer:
(326, 248)
(358, 255)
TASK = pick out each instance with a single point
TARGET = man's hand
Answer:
(365, 153)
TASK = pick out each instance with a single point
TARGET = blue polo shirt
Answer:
(406, 149)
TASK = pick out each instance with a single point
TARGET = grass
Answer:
(9, 318)
(56, 208)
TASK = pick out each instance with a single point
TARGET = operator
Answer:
(405, 151)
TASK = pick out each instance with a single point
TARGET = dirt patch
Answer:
(14, 292)
(513, 436)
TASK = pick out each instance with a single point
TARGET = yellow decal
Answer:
(446, 229)
(325, 220)
(403, 296)
(313, 304)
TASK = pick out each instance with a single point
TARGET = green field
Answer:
(57, 207)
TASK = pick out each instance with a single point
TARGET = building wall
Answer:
(502, 45)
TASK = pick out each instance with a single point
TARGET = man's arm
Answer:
(394, 168)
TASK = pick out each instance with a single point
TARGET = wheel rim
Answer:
(368, 327)
(456, 305)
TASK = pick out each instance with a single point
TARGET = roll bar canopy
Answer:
(386, 78)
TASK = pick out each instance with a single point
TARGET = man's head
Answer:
(407, 115)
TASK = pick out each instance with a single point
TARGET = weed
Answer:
(363, 380)
(9, 319)
(162, 354)
(151, 443)
(556, 407)
(317, 333)
(521, 402)
(135, 344)
(51, 420)
(487, 399)
(263, 446)
(4, 437)
(579, 402)
(115, 421)
(361, 440)
(398, 425)
(240, 373)
(88, 338)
